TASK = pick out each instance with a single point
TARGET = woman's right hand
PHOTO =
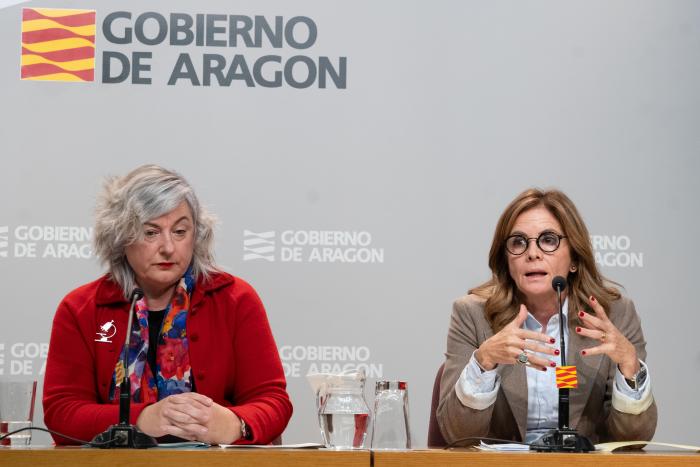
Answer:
(184, 415)
(506, 345)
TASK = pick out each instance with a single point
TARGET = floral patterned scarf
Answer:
(172, 372)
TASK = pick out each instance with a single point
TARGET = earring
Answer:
(572, 268)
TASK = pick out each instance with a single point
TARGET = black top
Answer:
(155, 323)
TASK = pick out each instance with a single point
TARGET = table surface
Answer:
(474, 458)
(214, 457)
(209, 457)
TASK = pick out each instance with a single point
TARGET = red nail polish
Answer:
(592, 298)
(578, 329)
(552, 340)
(583, 352)
(556, 352)
(544, 369)
(552, 364)
(581, 314)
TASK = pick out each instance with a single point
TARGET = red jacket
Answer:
(233, 355)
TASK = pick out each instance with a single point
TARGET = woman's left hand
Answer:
(613, 343)
(190, 416)
(222, 425)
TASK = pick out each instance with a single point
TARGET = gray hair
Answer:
(126, 203)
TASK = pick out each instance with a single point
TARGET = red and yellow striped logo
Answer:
(566, 377)
(58, 45)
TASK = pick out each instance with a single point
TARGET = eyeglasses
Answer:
(546, 241)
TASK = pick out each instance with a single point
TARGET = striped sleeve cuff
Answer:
(476, 389)
(630, 401)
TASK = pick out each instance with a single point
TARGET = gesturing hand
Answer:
(613, 343)
(506, 345)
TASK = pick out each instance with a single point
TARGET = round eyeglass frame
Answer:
(537, 242)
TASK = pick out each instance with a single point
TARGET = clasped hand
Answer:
(190, 416)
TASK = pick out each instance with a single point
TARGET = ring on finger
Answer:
(603, 336)
(522, 358)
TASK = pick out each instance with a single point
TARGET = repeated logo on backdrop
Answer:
(58, 45)
(46, 242)
(3, 241)
(615, 251)
(290, 246)
(29, 359)
(311, 246)
(301, 360)
(258, 245)
(23, 358)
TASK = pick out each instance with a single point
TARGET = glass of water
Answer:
(16, 411)
(391, 427)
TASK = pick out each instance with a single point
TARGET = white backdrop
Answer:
(445, 111)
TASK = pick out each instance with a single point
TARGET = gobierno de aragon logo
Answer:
(58, 44)
(218, 50)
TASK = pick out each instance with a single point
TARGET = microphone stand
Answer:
(564, 438)
(124, 434)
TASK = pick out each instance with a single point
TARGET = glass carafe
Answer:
(343, 413)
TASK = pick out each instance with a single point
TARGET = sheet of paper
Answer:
(184, 444)
(505, 447)
(610, 447)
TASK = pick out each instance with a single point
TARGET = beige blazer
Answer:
(591, 411)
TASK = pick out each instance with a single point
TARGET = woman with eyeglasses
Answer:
(504, 337)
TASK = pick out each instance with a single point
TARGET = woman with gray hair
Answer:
(203, 364)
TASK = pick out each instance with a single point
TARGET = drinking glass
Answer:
(391, 427)
(16, 411)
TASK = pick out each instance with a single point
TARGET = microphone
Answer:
(559, 284)
(124, 434)
(563, 439)
(125, 385)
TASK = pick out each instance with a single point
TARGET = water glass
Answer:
(16, 411)
(391, 427)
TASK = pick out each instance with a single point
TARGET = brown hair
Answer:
(500, 292)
